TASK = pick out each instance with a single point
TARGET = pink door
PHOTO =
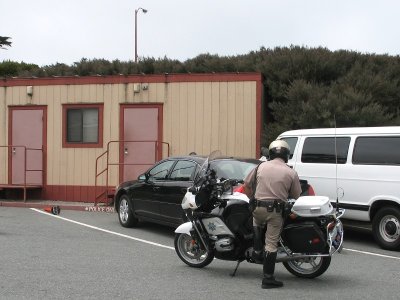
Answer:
(27, 141)
(140, 133)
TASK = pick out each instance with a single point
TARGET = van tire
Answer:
(386, 228)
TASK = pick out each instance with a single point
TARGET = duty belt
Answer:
(270, 205)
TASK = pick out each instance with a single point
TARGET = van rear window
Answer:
(322, 150)
(377, 150)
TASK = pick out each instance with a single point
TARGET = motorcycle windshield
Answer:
(206, 165)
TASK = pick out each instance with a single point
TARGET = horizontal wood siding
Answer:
(197, 116)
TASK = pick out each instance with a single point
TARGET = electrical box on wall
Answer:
(29, 90)
(136, 88)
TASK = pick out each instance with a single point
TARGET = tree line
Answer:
(303, 87)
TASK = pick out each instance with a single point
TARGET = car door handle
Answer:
(156, 188)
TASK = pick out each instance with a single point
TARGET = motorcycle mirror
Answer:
(193, 190)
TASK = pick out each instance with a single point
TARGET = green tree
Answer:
(4, 42)
(11, 68)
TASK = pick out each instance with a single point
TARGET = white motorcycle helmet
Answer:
(279, 148)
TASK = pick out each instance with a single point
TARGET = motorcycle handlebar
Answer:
(210, 179)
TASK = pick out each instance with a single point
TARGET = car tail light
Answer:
(310, 191)
(239, 189)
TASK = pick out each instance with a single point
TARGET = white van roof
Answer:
(344, 131)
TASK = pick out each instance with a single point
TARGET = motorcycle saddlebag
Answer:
(304, 237)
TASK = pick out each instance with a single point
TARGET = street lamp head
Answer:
(142, 9)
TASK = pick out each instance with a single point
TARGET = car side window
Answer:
(376, 150)
(161, 171)
(183, 171)
(322, 150)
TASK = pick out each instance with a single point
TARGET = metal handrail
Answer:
(106, 169)
(26, 149)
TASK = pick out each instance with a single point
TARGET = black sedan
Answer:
(156, 195)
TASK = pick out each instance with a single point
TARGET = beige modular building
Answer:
(75, 138)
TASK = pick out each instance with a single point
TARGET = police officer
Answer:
(271, 184)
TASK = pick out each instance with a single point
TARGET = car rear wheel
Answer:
(386, 228)
(125, 213)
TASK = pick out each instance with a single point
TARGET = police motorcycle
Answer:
(220, 225)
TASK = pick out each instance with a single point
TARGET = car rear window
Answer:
(232, 169)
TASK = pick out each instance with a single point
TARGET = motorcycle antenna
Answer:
(336, 166)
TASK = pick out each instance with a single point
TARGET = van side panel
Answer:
(365, 184)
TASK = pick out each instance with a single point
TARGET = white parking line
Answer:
(103, 230)
(371, 253)
(172, 248)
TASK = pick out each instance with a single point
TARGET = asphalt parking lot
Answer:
(88, 255)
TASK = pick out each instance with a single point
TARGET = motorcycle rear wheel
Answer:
(190, 252)
(308, 267)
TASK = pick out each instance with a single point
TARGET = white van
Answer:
(358, 166)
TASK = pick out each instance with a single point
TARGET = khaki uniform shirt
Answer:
(275, 180)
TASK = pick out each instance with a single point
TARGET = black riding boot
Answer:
(269, 280)
(258, 252)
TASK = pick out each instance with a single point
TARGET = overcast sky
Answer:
(45, 32)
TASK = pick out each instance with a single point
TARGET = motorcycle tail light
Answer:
(315, 241)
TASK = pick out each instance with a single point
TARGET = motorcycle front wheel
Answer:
(309, 267)
(190, 252)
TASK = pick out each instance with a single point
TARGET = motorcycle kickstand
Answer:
(237, 266)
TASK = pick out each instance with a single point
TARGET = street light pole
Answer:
(136, 12)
